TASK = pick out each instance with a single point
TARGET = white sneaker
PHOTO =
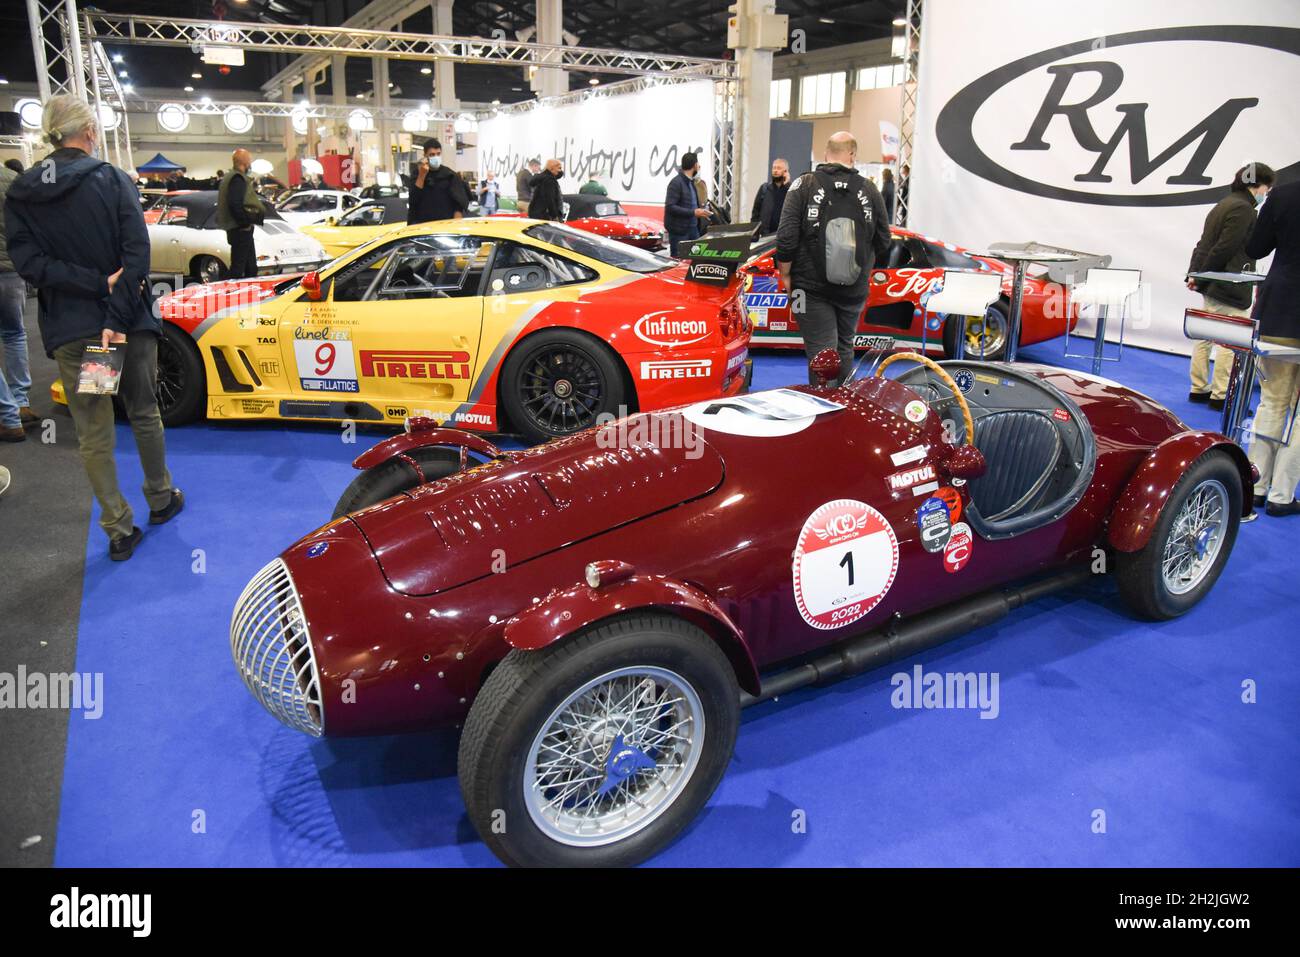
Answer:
(4, 479)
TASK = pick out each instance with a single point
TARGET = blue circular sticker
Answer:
(318, 549)
(965, 379)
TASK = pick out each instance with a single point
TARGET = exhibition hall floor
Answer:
(1116, 742)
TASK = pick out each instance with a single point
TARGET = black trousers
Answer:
(243, 255)
(829, 324)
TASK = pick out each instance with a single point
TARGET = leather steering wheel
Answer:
(943, 377)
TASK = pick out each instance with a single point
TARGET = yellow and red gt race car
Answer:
(490, 324)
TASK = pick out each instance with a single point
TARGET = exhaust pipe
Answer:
(901, 639)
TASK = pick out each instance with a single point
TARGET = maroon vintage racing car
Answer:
(595, 611)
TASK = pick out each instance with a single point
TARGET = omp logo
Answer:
(414, 365)
(677, 369)
(658, 330)
(1150, 118)
(395, 412)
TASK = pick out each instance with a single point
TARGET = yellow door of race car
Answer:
(400, 326)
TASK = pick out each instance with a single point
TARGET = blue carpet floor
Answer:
(1101, 718)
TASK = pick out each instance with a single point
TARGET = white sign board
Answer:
(632, 142)
(1113, 128)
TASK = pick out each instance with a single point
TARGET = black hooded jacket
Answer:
(71, 221)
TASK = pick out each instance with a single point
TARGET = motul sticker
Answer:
(934, 524)
(957, 552)
(1061, 415)
(952, 498)
(910, 477)
(845, 561)
(915, 411)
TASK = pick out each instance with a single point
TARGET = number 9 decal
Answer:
(325, 353)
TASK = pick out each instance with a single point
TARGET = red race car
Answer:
(492, 323)
(596, 610)
(899, 288)
(606, 217)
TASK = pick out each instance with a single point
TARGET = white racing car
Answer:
(186, 240)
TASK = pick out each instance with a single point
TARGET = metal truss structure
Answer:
(282, 38)
(907, 105)
(68, 48)
(290, 111)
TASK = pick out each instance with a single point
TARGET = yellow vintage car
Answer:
(488, 323)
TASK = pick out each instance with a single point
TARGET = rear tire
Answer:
(559, 382)
(182, 386)
(395, 476)
(209, 269)
(999, 325)
(1189, 545)
(599, 699)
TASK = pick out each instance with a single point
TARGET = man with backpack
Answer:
(833, 228)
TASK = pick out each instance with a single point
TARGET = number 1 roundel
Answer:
(844, 563)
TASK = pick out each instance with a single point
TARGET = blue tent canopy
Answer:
(159, 164)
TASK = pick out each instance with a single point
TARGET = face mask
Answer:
(778, 180)
(435, 162)
(559, 174)
(1260, 197)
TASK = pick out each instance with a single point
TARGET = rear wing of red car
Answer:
(715, 256)
(1063, 274)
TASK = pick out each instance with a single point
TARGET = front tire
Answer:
(395, 476)
(559, 382)
(209, 269)
(1189, 545)
(599, 750)
(993, 333)
(181, 386)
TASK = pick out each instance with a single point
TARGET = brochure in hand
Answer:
(101, 370)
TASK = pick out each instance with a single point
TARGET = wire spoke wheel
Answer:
(1196, 537)
(613, 756)
(562, 389)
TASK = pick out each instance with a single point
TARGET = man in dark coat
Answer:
(1222, 248)
(684, 212)
(437, 191)
(770, 198)
(1278, 313)
(828, 309)
(547, 201)
(75, 231)
(524, 185)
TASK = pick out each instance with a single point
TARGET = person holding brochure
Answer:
(75, 231)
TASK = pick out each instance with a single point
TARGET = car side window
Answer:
(948, 258)
(520, 268)
(364, 216)
(349, 201)
(434, 267)
(174, 216)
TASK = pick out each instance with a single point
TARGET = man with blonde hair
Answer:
(833, 227)
(75, 231)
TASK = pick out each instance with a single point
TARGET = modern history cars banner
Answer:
(632, 142)
(1106, 127)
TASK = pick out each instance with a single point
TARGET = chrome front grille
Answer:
(272, 649)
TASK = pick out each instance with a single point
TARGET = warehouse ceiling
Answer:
(690, 27)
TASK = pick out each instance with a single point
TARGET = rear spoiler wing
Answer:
(1063, 274)
(715, 256)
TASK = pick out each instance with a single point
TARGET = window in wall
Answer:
(880, 77)
(780, 98)
(823, 93)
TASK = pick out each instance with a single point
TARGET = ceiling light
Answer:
(189, 89)
(496, 102)
(825, 20)
(426, 70)
(303, 103)
(239, 119)
(117, 58)
(196, 76)
(206, 101)
(121, 74)
(593, 81)
(3, 81)
(900, 22)
(172, 117)
(128, 88)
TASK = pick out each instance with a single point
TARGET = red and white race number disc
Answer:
(844, 563)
